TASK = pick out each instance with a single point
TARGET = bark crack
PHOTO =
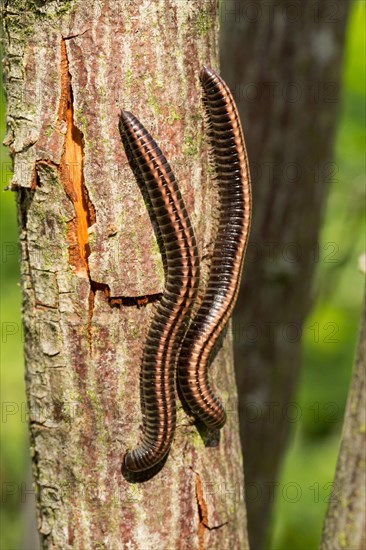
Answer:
(75, 35)
(72, 174)
(203, 514)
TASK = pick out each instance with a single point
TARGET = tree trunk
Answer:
(345, 524)
(90, 261)
(283, 63)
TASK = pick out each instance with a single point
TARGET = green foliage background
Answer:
(329, 336)
(331, 331)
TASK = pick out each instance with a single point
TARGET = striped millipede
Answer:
(233, 181)
(172, 316)
(168, 337)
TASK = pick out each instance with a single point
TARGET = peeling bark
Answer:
(92, 269)
(283, 62)
(203, 514)
(71, 174)
(345, 523)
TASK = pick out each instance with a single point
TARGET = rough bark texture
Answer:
(89, 252)
(283, 62)
(345, 524)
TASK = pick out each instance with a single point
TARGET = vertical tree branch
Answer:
(89, 253)
(345, 523)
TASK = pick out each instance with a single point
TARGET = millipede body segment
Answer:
(172, 316)
(233, 181)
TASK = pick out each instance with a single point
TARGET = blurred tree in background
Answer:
(284, 63)
(329, 333)
(338, 292)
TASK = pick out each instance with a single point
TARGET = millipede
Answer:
(233, 182)
(171, 318)
(176, 346)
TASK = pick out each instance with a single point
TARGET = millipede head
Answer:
(207, 73)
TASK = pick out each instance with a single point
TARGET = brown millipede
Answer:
(172, 316)
(233, 179)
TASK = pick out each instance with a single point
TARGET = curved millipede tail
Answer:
(171, 318)
(233, 179)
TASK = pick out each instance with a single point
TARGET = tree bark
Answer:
(89, 260)
(345, 523)
(283, 62)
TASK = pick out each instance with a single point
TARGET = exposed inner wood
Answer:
(72, 176)
(202, 513)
